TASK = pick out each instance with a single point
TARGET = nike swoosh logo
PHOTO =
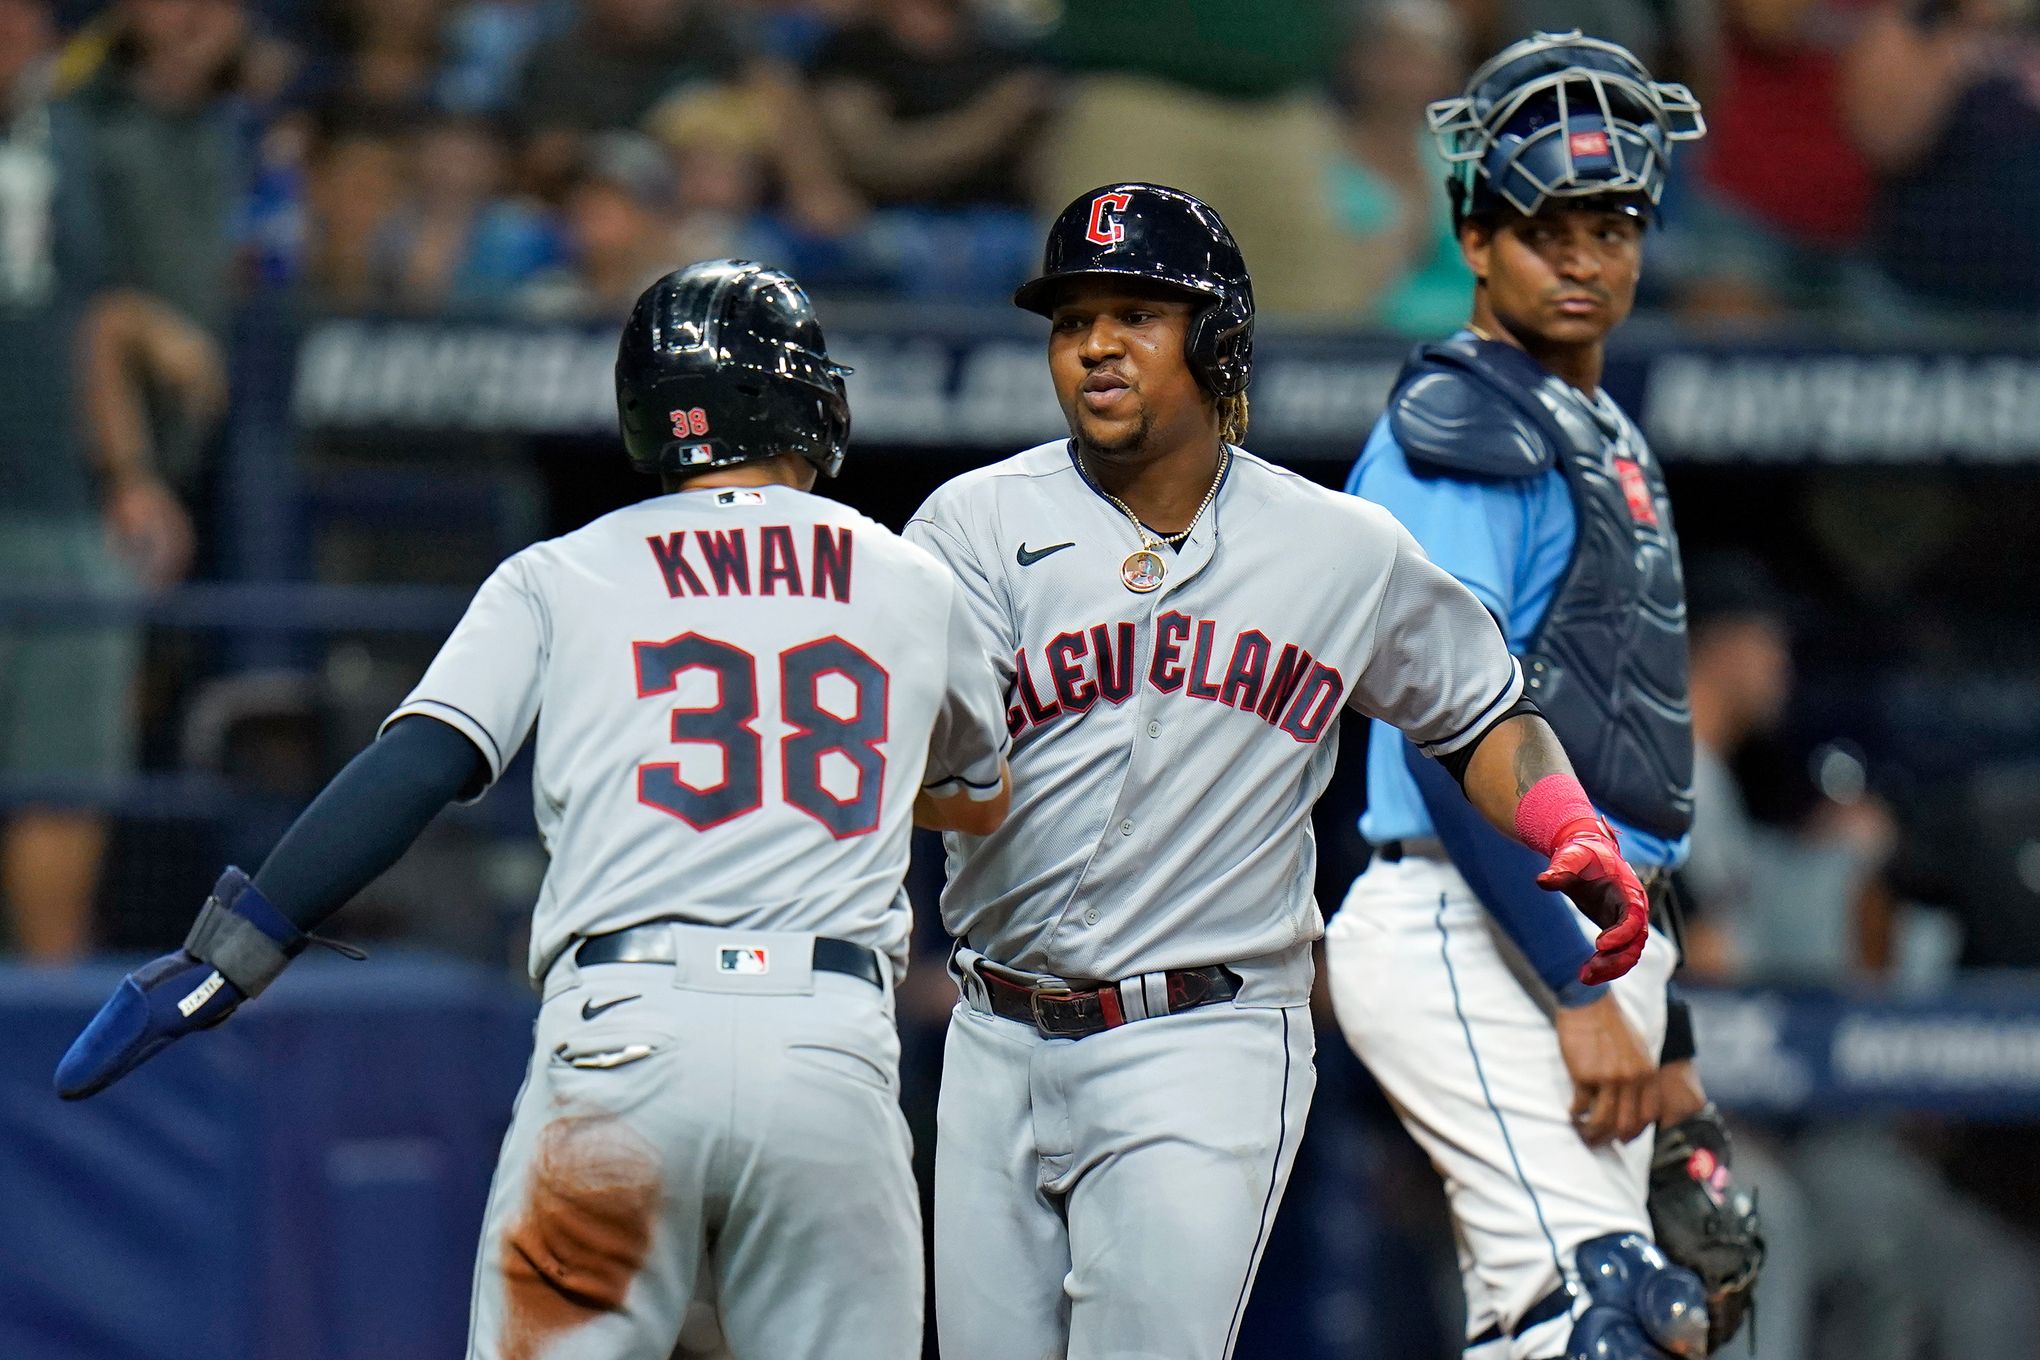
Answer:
(589, 1010)
(1027, 556)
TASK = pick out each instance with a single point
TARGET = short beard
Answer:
(1126, 449)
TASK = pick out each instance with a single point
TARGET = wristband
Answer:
(1553, 804)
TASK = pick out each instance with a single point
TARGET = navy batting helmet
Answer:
(722, 363)
(1148, 231)
(1560, 116)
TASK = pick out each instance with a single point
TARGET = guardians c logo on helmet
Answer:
(1150, 231)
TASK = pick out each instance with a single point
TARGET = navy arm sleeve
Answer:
(364, 821)
(1503, 875)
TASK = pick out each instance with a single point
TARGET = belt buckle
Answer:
(1060, 991)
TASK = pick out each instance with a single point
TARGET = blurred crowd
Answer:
(1875, 1249)
(166, 165)
(546, 156)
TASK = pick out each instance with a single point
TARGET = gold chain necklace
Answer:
(1143, 569)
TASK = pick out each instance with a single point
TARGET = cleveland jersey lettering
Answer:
(1282, 685)
(1168, 745)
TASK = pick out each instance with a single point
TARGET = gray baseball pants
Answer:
(1109, 1198)
(684, 1120)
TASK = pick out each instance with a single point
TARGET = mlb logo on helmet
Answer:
(751, 961)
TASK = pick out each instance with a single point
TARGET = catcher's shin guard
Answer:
(1643, 1306)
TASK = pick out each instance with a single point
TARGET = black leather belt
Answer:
(1555, 1304)
(1076, 1010)
(652, 942)
(1394, 852)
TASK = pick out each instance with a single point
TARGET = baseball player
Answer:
(743, 692)
(1178, 626)
(1452, 975)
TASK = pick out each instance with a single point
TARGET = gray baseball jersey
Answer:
(739, 689)
(1168, 746)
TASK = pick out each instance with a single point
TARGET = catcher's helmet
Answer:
(1147, 231)
(1558, 116)
(722, 363)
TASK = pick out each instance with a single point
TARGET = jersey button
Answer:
(1091, 916)
(1154, 729)
(1126, 827)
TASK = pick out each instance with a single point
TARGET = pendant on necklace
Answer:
(1142, 571)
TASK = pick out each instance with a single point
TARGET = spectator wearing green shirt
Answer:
(1387, 180)
(161, 154)
(66, 710)
(1228, 101)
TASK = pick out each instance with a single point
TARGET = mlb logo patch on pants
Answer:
(752, 961)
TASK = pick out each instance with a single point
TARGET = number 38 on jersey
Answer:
(832, 701)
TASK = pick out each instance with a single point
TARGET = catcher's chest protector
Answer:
(1607, 664)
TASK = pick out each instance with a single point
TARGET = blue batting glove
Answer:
(154, 1007)
(236, 948)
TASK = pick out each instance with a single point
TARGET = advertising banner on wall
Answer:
(982, 384)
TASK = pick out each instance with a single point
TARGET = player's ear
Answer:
(1476, 244)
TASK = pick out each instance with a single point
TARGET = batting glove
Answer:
(1587, 866)
(237, 947)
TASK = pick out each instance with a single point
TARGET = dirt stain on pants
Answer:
(585, 1231)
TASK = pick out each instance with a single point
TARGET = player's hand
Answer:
(1588, 867)
(154, 1007)
(238, 932)
(1615, 1090)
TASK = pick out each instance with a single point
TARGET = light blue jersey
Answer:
(1509, 541)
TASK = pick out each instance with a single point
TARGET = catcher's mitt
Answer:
(1704, 1221)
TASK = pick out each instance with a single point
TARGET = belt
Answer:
(1078, 1009)
(1394, 852)
(652, 942)
(1555, 1304)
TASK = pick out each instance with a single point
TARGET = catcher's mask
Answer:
(1561, 116)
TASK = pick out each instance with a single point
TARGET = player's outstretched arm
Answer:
(250, 929)
(965, 812)
(1520, 779)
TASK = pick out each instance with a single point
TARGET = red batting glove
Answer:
(1587, 866)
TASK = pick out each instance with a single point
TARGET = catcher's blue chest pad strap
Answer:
(1464, 407)
(1503, 875)
(363, 821)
